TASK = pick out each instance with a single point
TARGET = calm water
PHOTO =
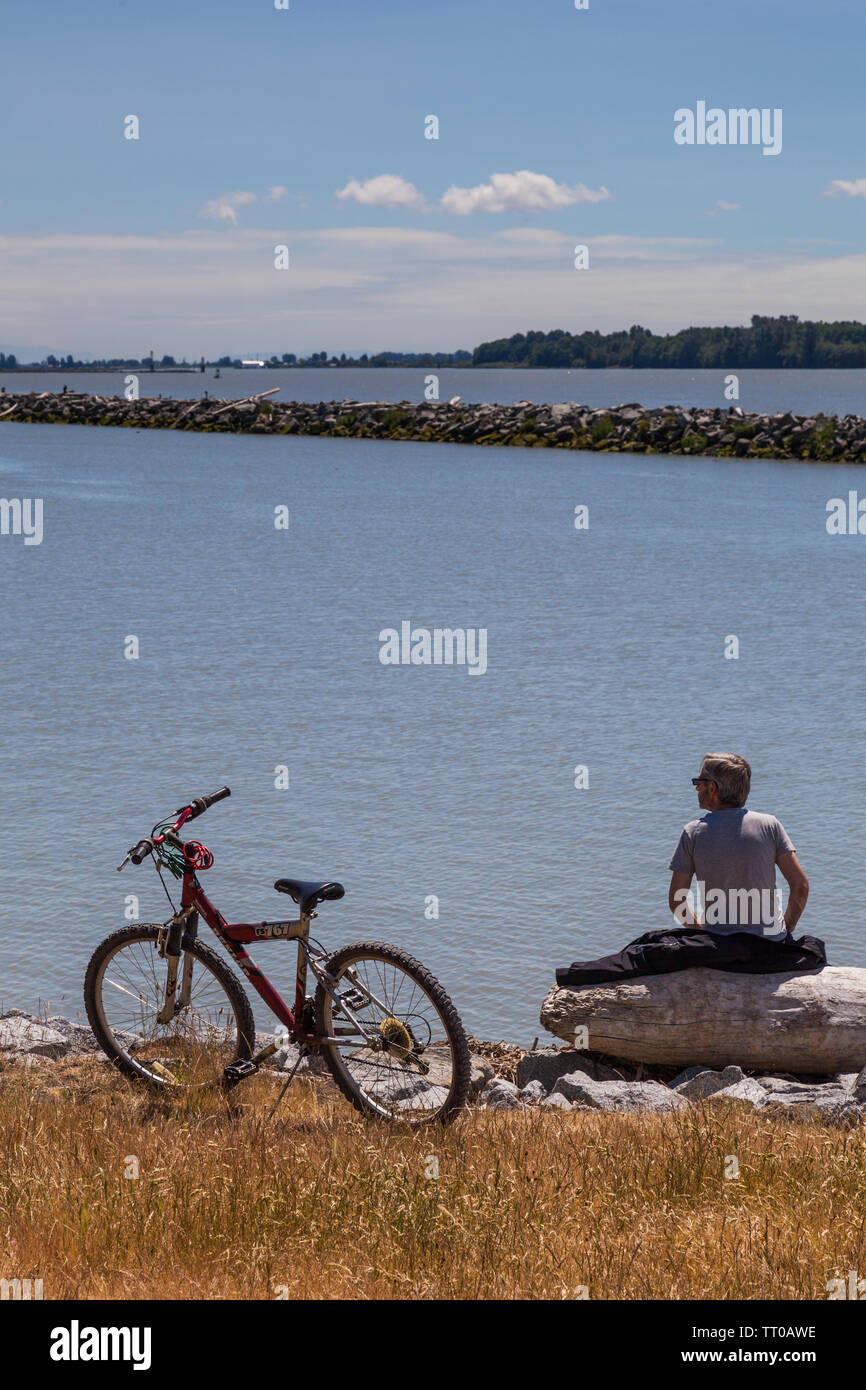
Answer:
(260, 648)
(834, 392)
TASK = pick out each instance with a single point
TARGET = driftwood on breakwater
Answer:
(630, 428)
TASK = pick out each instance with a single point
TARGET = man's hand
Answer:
(678, 901)
(798, 885)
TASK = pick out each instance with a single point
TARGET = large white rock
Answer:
(813, 1024)
(748, 1090)
(24, 1034)
(617, 1095)
(707, 1082)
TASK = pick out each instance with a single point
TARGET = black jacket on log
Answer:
(679, 948)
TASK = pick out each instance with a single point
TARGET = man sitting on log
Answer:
(735, 853)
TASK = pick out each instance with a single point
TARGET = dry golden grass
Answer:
(323, 1203)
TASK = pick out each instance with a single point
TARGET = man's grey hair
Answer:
(732, 775)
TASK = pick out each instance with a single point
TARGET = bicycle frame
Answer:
(236, 936)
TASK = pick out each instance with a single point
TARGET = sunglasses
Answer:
(696, 781)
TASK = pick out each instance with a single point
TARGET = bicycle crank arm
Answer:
(325, 978)
(373, 1040)
(371, 998)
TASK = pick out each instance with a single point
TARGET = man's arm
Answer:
(798, 887)
(677, 900)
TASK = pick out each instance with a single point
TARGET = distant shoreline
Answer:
(629, 428)
(210, 368)
(770, 344)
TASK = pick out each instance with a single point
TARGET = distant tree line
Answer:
(768, 342)
(378, 359)
(9, 362)
(462, 358)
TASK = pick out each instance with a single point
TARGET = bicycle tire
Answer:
(149, 932)
(395, 955)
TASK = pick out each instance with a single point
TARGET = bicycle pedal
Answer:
(354, 1000)
(236, 1071)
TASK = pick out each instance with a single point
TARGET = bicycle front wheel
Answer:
(125, 991)
(399, 1051)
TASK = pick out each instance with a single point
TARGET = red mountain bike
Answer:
(166, 1009)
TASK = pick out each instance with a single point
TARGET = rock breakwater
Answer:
(631, 428)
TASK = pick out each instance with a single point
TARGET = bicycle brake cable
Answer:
(166, 853)
(164, 888)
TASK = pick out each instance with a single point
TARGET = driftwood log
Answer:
(813, 1024)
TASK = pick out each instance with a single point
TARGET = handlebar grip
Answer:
(201, 803)
(217, 796)
(141, 850)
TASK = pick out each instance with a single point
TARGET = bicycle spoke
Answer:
(199, 1040)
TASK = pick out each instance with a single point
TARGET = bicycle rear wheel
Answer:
(400, 1052)
(124, 991)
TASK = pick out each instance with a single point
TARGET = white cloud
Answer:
(519, 192)
(721, 206)
(385, 191)
(523, 191)
(224, 208)
(852, 188)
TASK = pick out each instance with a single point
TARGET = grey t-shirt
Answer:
(733, 853)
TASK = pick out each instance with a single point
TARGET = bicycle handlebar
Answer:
(194, 808)
(200, 804)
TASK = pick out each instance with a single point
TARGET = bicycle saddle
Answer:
(306, 895)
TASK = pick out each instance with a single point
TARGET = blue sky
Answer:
(115, 246)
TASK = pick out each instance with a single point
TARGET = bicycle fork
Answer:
(170, 948)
